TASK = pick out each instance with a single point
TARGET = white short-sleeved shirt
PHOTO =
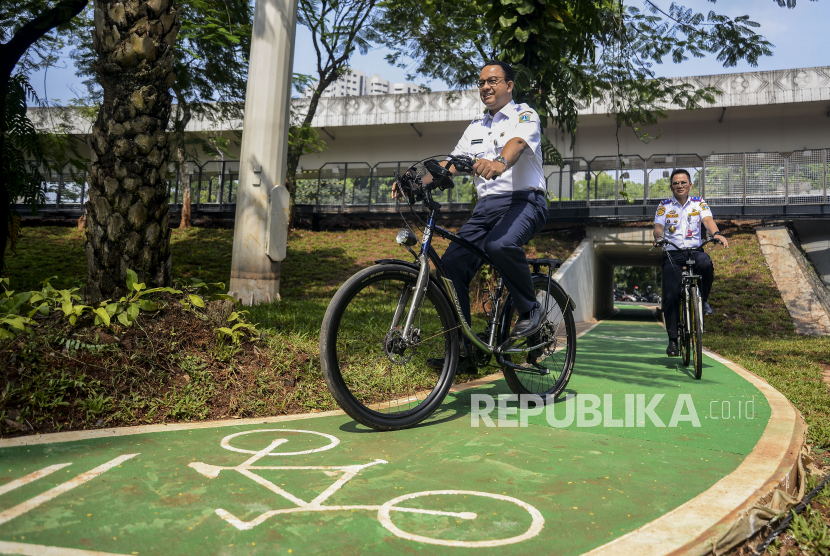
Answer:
(682, 224)
(487, 135)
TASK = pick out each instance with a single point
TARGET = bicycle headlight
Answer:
(406, 237)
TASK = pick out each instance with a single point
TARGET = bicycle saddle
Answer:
(537, 263)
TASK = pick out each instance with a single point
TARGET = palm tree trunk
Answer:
(127, 211)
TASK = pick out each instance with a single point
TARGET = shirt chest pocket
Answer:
(479, 143)
(694, 219)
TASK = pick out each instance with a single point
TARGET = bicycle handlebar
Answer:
(415, 190)
(664, 241)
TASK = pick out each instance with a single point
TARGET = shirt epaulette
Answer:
(666, 202)
(696, 199)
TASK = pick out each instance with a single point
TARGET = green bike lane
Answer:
(563, 489)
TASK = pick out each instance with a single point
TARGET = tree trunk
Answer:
(296, 151)
(183, 110)
(127, 211)
(185, 186)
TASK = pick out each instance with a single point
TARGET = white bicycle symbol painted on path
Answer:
(248, 468)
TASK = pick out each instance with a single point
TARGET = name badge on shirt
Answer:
(477, 141)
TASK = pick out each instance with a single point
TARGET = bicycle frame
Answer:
(426, 255)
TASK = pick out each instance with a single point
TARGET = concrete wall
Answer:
(588, 274)
(577, 277)
(806, 298)
(814, 237)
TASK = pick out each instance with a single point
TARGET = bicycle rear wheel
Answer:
(544, 372)
(696, 332)
(684, 329)
(372, 375)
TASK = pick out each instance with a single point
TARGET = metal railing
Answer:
(212, 184)
(759, 179)
(607, 185)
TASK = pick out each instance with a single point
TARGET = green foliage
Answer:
(128, 307)
(20, 146)
(568, 52)
(626, 277)
(810, 532)
(238, 331)
(13, 319)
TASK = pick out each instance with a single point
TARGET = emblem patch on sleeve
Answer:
(524, 117)
(661, 211)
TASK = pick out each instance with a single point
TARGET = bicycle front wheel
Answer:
(379, 380)
(685, 329)
(696, 332)
(545, 372)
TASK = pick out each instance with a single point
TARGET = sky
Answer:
(799, 36)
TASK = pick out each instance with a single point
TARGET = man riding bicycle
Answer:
(679, 220)
(511, 205)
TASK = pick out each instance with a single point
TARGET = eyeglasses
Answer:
(680, 183)
(493, 81)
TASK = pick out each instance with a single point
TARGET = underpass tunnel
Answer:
(618, 247)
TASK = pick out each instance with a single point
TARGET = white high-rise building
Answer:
(355, 83)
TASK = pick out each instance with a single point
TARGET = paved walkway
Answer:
(645, 438)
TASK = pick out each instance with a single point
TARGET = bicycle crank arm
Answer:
(537, 370)
(525, 349)
(465, 327)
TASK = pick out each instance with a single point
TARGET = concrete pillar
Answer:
(261, 227)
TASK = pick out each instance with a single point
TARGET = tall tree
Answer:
(211, 66)
(127, 212)
(568, 51)
(28, 39)
(338, 28)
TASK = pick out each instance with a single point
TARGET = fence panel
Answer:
(660, 167)
(358, 184)
(724, 178)
(305, 183)
(766, 182)
(602, 181)
(805, 177)
(633, 179)
(383, 176)
(332, 180)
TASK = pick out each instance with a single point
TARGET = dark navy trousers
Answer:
(673, 262)
(500, 225)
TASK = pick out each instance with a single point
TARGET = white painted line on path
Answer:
(17, 483)
(32, 503)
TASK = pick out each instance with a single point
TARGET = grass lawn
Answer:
(191, 376)
(752, 327)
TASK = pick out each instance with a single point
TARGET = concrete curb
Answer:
(695, 526)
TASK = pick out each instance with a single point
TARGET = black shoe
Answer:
(528, 322)
(673, 350)
(707, 311)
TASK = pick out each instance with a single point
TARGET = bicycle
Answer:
(690, 330)
(510, 514)
(385, 322)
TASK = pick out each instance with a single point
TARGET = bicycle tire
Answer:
(547, 387)
(696, 332)
(361, 375)
(684, 330)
